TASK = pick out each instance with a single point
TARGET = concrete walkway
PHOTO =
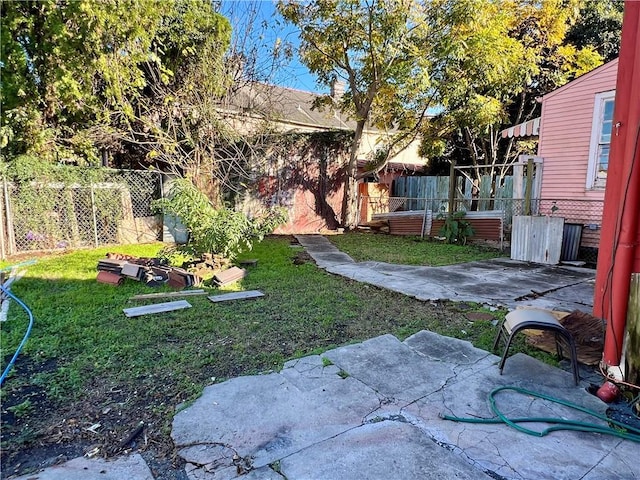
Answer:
(500, 281)
(373, 410)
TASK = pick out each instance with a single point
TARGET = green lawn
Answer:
(409, 250)
(85, 361)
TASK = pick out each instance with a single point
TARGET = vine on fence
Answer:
(59, 206)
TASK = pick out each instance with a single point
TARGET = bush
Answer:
(214, 231)
(455, 229)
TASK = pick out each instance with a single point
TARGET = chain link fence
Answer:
(88, 212)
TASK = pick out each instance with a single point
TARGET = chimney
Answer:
(337, 89)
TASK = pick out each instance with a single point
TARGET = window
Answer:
(601, 130)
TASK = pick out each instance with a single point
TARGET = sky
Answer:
(258, 24)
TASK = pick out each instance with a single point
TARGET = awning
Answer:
(530, 128)
(390, 166)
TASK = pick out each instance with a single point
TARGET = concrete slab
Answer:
(323, 252)
(501, 449)
(445, 349)
(391, 368)
(266, 418)
(310, 373)
(385, 419)
(326, 259)
(383, 450)
(501, 281)
(619, 463)
(130, 467)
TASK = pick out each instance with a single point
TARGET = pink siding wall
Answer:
(565, 134)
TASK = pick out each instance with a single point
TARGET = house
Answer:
(574, 132)
(309, 180)
(589, 149)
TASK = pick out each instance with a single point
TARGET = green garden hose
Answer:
(619, 429)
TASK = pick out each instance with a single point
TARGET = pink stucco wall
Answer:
(565, 134)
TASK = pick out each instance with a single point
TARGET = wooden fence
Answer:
(492, 195)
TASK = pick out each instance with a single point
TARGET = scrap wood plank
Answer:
(131, 270)
(229, 276)
(168, 294)
(156, 308)
(236, 296)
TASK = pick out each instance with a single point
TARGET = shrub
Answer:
(220, 231)
(455, 228)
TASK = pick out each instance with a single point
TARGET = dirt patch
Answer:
(44, 433)
(301, 257)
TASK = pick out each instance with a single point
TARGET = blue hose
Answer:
(26, 335)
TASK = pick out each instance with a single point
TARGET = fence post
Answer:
(95, 220)
(11, 236)
(529, 187)
(452, 187)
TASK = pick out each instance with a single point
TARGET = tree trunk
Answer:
(350, 197)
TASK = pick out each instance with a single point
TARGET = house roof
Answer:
(582, 78)
(286, 105)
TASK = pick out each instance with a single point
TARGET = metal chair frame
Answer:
(512, 325)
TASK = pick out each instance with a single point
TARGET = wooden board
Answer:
(131, 270)
(236, 296)
(168, 294)
(156, 308)
(230, 275)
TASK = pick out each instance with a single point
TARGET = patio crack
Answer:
(588, 472)
(535, 294)
(243, 465)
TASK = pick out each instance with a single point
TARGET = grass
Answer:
(85, 361)
(408, 250)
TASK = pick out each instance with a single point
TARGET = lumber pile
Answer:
(115, 268)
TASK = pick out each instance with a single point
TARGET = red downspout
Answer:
(617, 257)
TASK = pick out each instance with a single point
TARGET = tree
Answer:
(468, 57)
(375, 47)
(531, 58)
(63, 65)
(174, 121)
(599, 25)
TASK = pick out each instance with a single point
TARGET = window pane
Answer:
(603, 158)
(608, 110)
(605, 136)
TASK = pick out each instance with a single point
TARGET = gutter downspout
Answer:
(618, 244)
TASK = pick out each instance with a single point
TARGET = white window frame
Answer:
(596, 130)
